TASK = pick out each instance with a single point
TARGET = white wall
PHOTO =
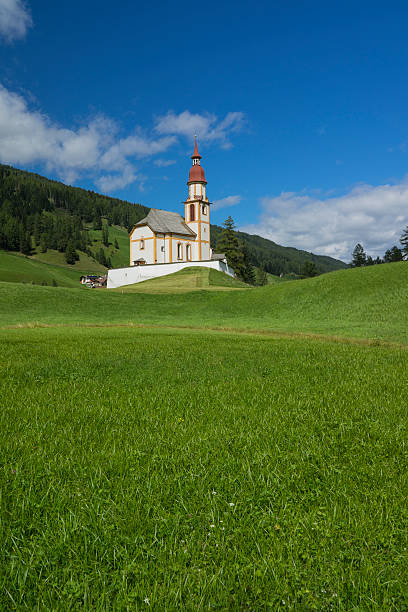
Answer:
(119, 277)
(135, 251)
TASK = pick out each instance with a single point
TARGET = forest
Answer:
(39, 212)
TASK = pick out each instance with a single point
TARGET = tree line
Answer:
(241, 259)
(35, 211)
(360, 257)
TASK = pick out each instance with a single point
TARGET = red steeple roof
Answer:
(196, 175)
(196, 154)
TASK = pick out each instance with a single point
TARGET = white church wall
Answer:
(147, 252)
(120, 277)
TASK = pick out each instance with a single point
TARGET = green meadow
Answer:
(194, 445)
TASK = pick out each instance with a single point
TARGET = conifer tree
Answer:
(228, 243)
(105, 236)
(248, 270)
(393, 254)
(262, 277)
(309, 269)
(25, 243)
(100, 257)
(359, 257)
(404, 242)
(70, 253)
(43, 243)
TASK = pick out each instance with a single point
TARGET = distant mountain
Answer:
(278, 259)
(39, 215)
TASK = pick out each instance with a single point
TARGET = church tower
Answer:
(197, 208)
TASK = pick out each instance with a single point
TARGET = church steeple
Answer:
(197, 209)
(196, 178)
(196, 156)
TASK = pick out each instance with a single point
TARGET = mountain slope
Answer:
(37, 213)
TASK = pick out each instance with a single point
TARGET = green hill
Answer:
(187, 280)
(16, 268)
(42, 218)
(362, 303)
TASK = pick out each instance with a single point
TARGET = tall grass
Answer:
(201, 471)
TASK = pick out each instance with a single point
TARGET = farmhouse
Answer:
(165, 242)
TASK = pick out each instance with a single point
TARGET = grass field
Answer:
(360, 303)
(185, 281)
(176, 467)
(20, 269)
(191, 470)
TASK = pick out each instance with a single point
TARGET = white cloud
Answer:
(373, 216)
(29, 137)
(208, 126)
(96, 149)
(14, 20)
(163, 163)
(232, 200)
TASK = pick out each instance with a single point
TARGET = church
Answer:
(165, 242)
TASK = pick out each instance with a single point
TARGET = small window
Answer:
(179, 250)
(204, 209)
(162, 249)
(192, 212)
(188, 252)
(142, 244)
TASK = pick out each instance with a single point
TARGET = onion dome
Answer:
(196, 175)
(196, 171)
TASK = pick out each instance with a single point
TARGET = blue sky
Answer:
(300, 108)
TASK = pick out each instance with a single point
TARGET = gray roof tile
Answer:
(164, 222)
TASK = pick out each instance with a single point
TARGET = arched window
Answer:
(192, 212)
(204, 209)
(179, 250)
(188, 252)
(142, 244)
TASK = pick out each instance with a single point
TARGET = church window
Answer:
(188, 252)
(192, 212)
(142, 244)
(179, 250)
(204, 209)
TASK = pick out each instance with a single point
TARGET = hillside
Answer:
(40, 216)
(187, 280)
(278, 259)
(360, 303)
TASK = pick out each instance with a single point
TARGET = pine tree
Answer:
(228, 243)
(359, 257)
(70, 253)
(97, 222)
(404, 242)
(100, 257)
(43, 243)
(248, 270)
(393, 254)
(262, 277)
(105, 236)
(25, 243)
(309, 269)
(37, 230)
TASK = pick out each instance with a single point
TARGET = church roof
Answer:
(165, 222)
(196, 175)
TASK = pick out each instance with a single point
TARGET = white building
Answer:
(165, 242)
